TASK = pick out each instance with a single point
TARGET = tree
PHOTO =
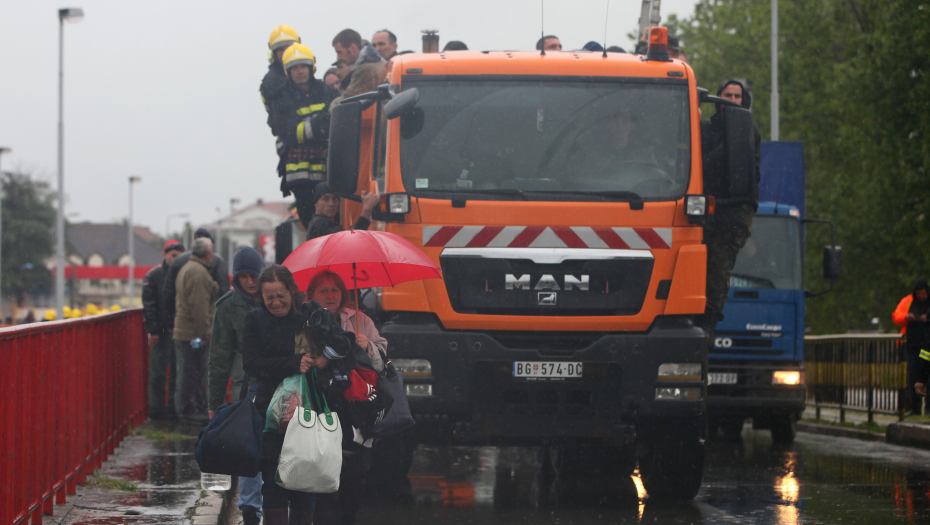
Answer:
(28, 234)
(854, 90)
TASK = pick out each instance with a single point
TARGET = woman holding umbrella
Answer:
(328, 289)
(282, 338)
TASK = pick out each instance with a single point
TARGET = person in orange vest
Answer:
(911, 315)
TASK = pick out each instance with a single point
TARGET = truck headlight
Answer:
(398, 203)
(699, 205)
(679, 372)
(418, 390)
(678, 394)
(413, 367)
(788, 377)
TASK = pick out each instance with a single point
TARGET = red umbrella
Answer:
(362, 258)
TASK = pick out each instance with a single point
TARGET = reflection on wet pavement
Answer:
(817, 480)
(163, 469)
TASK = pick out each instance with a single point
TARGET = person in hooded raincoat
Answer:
(732, 222)
(912, 316)
(225, 358)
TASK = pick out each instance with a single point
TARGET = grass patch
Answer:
(104, 481)
(865, 425)
(161, 435)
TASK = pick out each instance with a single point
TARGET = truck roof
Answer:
(567, 63)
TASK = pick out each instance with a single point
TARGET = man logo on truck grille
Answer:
(546, 282)
(547, 298)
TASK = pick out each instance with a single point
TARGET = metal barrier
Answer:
(860, 372)
(72, 390)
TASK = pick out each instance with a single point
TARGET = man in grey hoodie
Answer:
(225, 360)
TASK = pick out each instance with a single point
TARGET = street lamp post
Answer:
(775, 123)
(2, 151)
(132, 245)
(72, 15)
(232, 202)
(168, 223)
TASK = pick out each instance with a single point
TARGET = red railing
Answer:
(71, 391)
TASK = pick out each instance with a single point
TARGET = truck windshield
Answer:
(771, 257)
(547, 140)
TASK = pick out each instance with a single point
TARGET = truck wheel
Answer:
(672, 467)
(784, 429)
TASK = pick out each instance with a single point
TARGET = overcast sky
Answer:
(168, 89)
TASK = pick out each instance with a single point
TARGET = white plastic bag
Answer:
(311, 458)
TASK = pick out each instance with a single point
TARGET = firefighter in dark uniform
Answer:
(732, 222)
(275, 79)
(155, 319)
(300, 120)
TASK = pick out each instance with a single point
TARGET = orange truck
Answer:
(561, 194)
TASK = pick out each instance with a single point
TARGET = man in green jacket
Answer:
(225, 359)
(195, 300)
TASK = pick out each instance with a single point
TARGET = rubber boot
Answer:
(274, 516)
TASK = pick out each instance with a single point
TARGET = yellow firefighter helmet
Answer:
(299, 54)
(282, 36)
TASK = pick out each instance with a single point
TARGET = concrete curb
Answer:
(217, 507)
(830, 430)
(910, 434)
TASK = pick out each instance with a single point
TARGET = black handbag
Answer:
(232, 442)
(398, 418)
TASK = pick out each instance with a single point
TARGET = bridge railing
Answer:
(859, 372)
(71, 391)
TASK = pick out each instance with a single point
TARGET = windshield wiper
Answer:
(636, 202)
(753, 278)
(494, 191)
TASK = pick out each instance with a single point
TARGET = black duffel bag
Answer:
(232, 442)
(398, 418)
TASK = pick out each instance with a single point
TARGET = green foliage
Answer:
(105, 481)
(854, 88)
(160, 435)
(28, 233)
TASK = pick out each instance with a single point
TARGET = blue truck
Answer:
(756, 366)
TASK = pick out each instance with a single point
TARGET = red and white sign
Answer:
(266, 246)
(547, 237)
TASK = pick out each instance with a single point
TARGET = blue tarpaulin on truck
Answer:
(783, 174)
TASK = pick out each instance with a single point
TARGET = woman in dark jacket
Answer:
(272, 351)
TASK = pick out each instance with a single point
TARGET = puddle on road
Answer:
(141, 502)
(817, 480)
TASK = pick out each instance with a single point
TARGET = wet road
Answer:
(163, 471)
(816, 480)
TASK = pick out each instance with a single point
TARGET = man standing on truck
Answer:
(300, 116)
(385, 42)
(549, 43)
(732, 222)
(911, 315)
(367, 63)
(275, 79)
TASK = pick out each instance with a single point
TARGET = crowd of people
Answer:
(265, 329)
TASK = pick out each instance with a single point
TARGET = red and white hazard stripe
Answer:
(547, 237)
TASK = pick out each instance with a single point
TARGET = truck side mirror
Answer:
(740, 149)
(401, 102)
(345, 145)
(832, 262)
